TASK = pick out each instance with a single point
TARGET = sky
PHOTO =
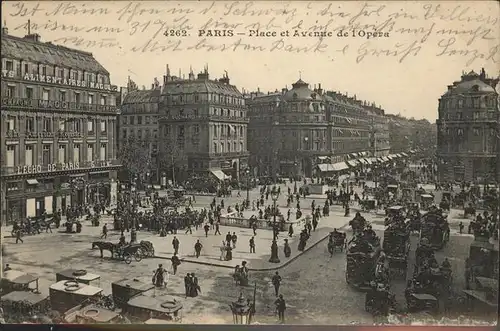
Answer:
(413, 52)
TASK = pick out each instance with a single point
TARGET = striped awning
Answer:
(352, 163)
(404, 154)
(339, 166)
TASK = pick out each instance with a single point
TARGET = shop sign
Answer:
(54, 104)
(60, 81)
(34, 169)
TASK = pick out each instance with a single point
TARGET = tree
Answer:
(171, 156)
(135, 157)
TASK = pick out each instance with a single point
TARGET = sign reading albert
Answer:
(60, 81)
(38, 168)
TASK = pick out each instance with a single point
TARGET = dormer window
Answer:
(475, 88)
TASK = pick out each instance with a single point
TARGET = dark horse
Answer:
(104, 245)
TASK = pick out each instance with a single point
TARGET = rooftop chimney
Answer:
(33, 37)
(5, 30)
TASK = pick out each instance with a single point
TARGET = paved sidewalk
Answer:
(257, 261)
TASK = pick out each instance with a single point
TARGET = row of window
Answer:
(23, 67)
(223, 147)
(64, 154)
(146, 134)
(477, 115)
(145, 107)
(49, 125)
(468, 102)
(205, 97)
(52, 94)
(131, 119)
(475, 131)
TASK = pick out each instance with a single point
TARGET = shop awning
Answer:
(32, 181)
(352, 163)
(368, 161)
(219, 174)
(385, 158)
(322, 158)
(326, 167)
(404, 154)
(339, 166)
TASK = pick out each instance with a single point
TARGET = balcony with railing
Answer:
(39, 104)
(191, 117)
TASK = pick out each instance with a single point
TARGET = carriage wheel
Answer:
(138, 255)
(127, 258)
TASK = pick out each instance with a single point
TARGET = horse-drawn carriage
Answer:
(426, 201)
(379, 300)
(80, 276)
(368, 204)
(435, 228)
(470, 209)
(125, 289)
(14, 280)
(362, 257)
(395, 213)
(337, 240)
(126, 252)
(143, 308)
(396, 246)
(92, 314)
(482, 261)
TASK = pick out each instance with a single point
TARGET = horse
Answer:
(104, 245)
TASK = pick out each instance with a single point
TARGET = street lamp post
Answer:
(274, 246)
(247, 172)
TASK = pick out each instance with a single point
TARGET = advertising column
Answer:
(113, 193)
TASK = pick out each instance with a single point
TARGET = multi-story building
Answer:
(58, 128)
(292, 131)
(138, 142)
(468, 130)
(203, 126)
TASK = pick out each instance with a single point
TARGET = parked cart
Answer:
(68, 294)
(166, 308)
(15, 280)
(80, 276)
(126, 289)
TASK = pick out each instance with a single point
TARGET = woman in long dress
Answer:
(229, 253)
(223, 251)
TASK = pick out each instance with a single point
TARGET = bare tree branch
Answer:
(134, 156)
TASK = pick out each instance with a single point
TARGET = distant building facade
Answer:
(58, 129)
(202, 126)
(468, 130)
(292, 131)
(139, 112)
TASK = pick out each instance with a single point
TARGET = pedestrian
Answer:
(189, 228)
(197, 248)
(175, 244)
(228, 238)
(175, 262)
(290, 230)
(252, 245)
(276, 280)
(217, 228)
(234, 239)
(18, 236)
(254, 228)
(461, 227)
(7, 267)
(223, 251)
(206, 228)
(159, 276)
(47, 227)
(287, 250)
(187, 284)
(105, 232)
(280, 308)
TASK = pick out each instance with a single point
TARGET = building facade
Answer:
(292, 131)
(58, 129)
(138, 131)
(203, 127)
(468, 130)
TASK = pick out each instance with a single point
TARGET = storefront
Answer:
(30, 195)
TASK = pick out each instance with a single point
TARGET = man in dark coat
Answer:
(252, 245)
(187, 284)
(197, 248)
(206, 228)
(281, 307)
(276, 280)
(175, 263)
(175, 245)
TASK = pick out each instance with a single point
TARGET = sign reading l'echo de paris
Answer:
(39, 168)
